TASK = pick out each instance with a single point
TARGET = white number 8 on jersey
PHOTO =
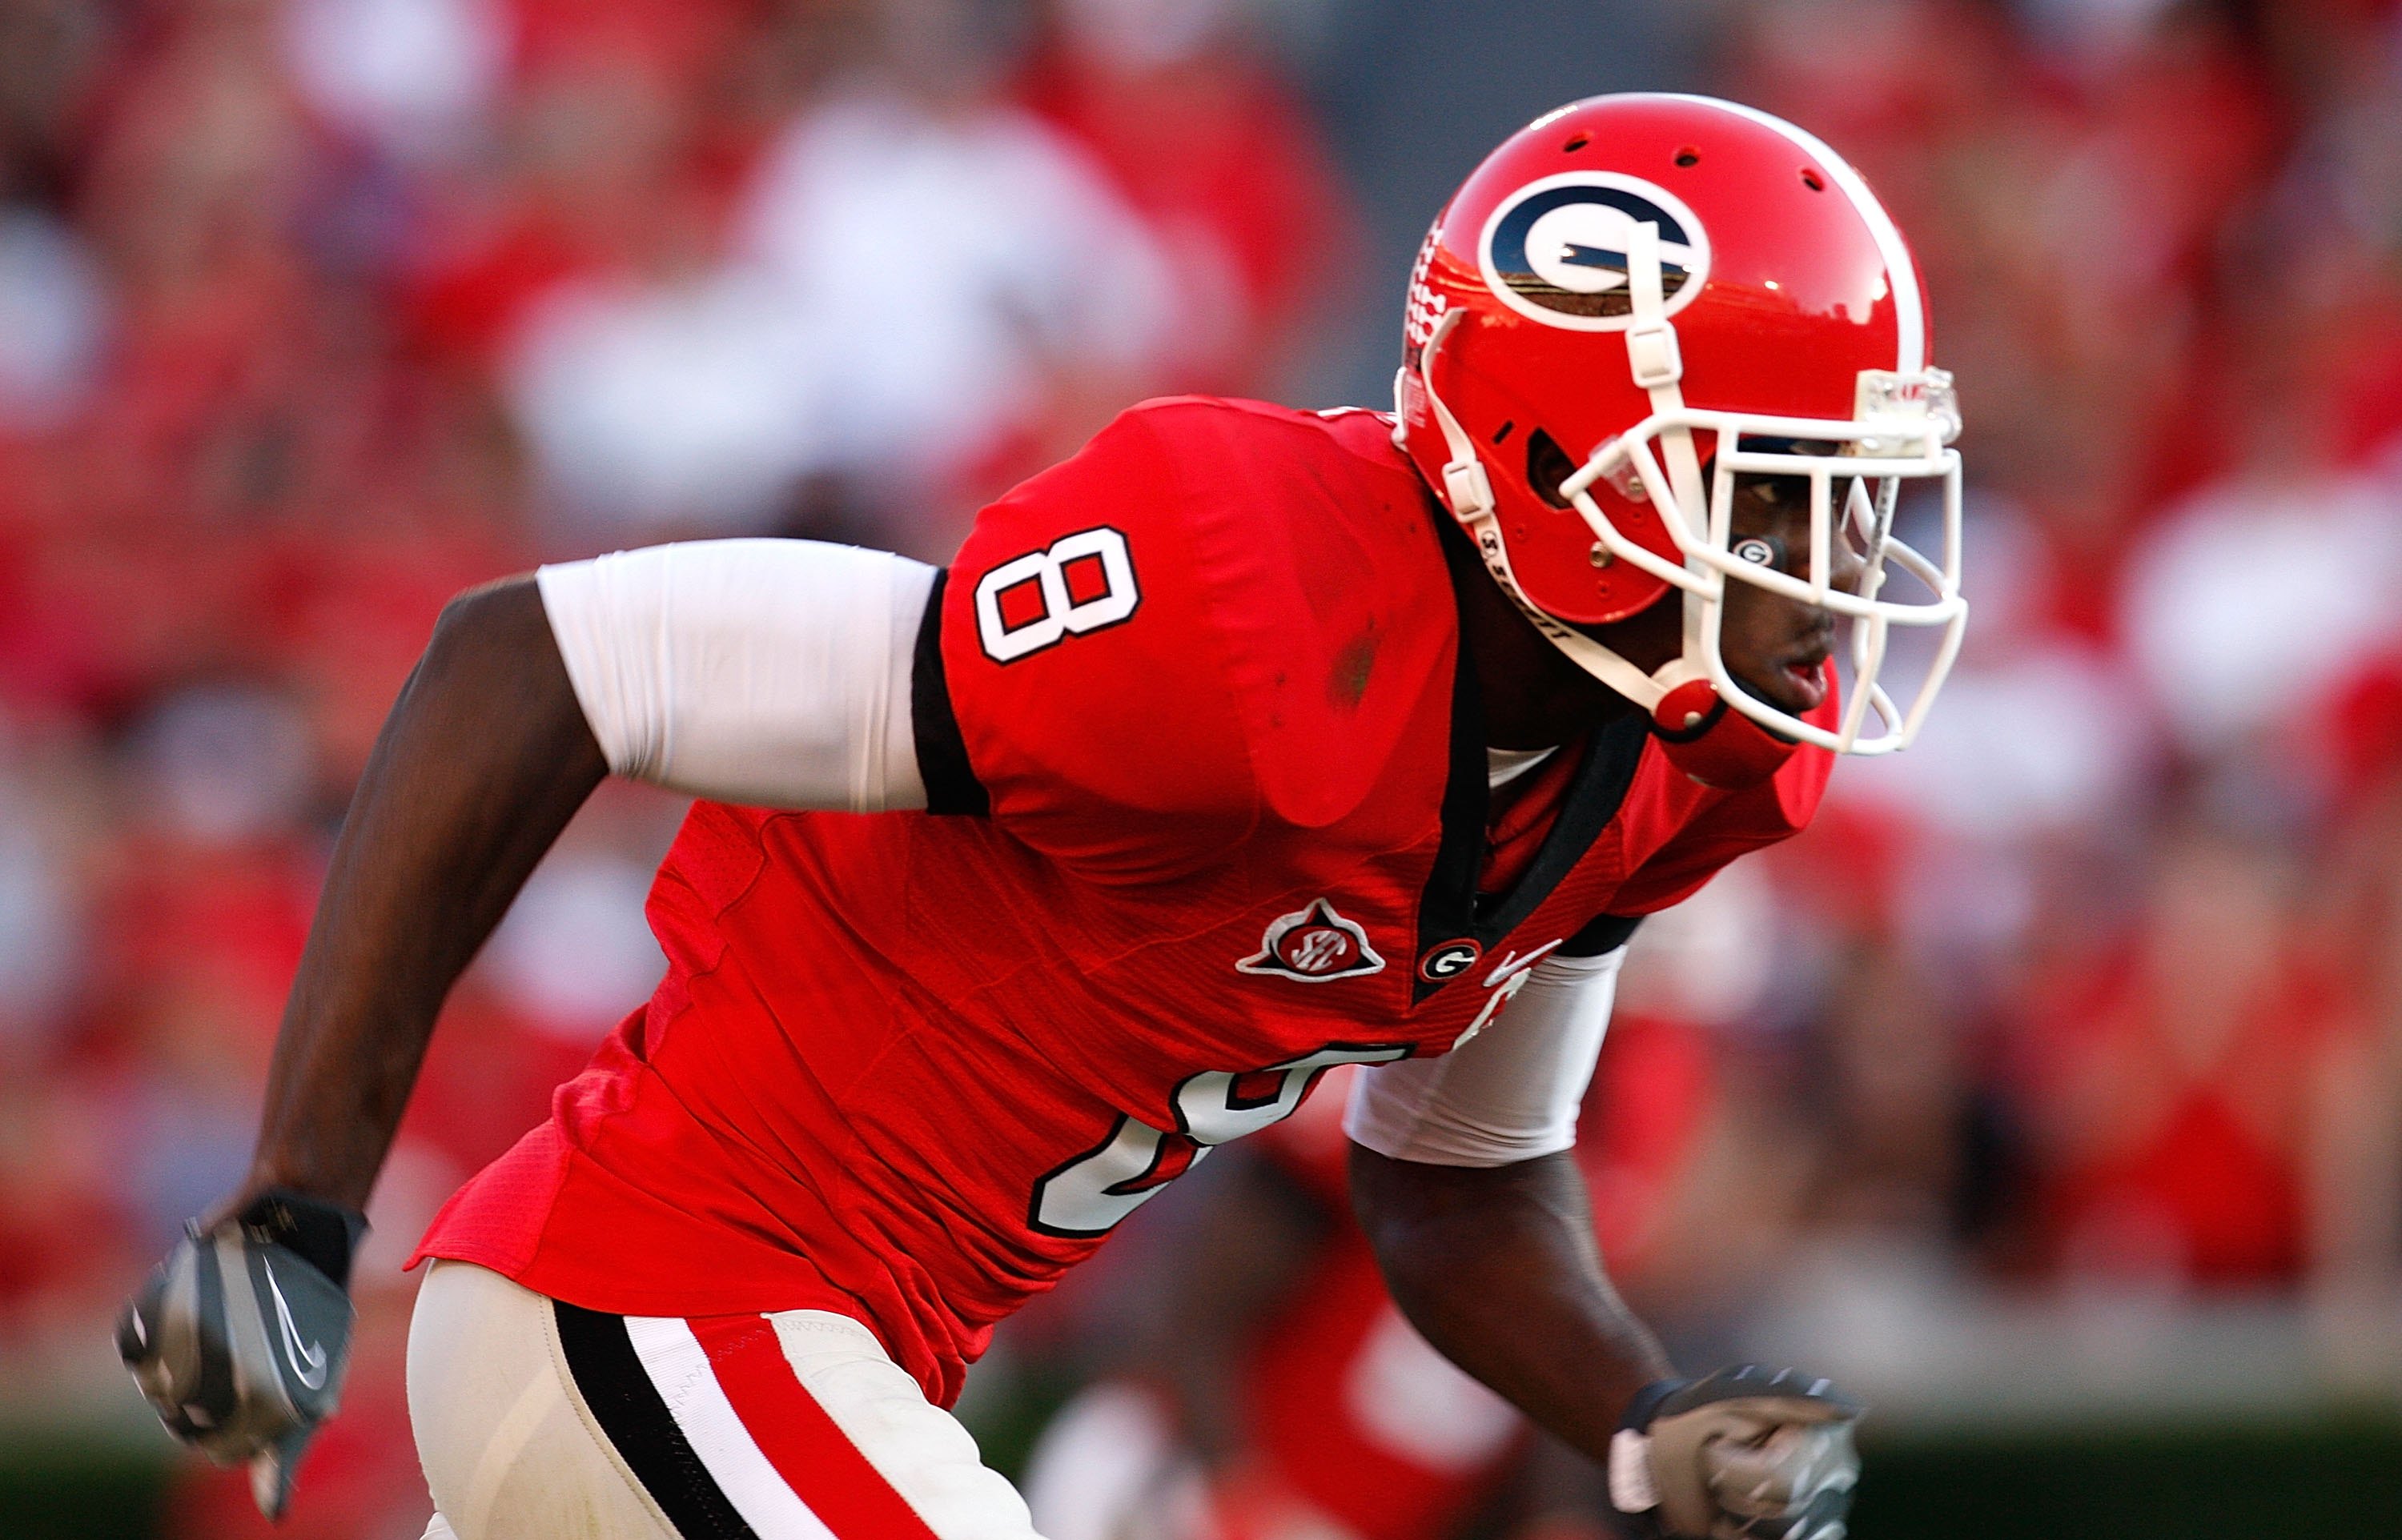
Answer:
(1083, 583)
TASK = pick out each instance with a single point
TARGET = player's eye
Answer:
(1760, 552)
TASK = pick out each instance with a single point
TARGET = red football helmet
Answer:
(1674, 292)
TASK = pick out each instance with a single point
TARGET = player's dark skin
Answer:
(486, 756)
(1498, 1266)
(1535, 695)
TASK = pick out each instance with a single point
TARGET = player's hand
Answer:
(240, 1337)
(1746, 1454)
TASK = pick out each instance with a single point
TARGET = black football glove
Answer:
(240, 1337)
(1746, 1454)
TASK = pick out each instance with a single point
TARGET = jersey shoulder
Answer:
(1215, 616)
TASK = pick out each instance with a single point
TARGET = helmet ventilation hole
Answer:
(1688, 156)
(1576, 143)
(1503, 432)
(1810, 180)
(1547, 466)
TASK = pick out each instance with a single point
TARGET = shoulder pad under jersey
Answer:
(1217, 617)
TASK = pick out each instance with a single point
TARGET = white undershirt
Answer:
(770, 672)
(1504, 765)
(1510, 1092)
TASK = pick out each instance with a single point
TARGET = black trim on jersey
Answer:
(1605, 933)
(1447, 908)
(1451, 909)
(627, 1407)
(951, 784)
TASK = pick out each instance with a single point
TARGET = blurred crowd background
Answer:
(2057, 1075)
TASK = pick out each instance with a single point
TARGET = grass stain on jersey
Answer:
(1353, 668)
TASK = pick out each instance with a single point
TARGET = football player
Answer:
(1245, 743)
(1272, 1393)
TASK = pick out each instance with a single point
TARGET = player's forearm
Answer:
(484, 759)
(1498, 1268)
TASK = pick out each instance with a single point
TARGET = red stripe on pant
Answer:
(813, 1455)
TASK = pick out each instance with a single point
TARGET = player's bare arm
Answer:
(1496, 1267)
(484, 759)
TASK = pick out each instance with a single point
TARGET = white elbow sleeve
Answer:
(1511, 1092)
(770, 672)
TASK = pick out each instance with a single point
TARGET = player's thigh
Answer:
(546, 1421)
(805, 1427)
(509, 1451)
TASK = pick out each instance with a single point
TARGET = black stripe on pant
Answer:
(610, 1378)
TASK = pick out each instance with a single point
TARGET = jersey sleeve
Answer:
(1502, 1096)
(1084, 673)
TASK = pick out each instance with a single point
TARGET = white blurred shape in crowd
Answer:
(187, 1145)
(413, 78)
(225, 764)
(2049, 737)
(1098, 1469)
(695, 403)
(948, 262)
(2039, 730)
(1418, 1405)
(2040, 733)
(1707, 961)
(907, 287)
(53, 320)
(574, 953)
(2247, 603)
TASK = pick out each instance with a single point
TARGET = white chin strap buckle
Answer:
(1652, 356)
(1468, 487)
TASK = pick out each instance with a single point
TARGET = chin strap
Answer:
(1656, 367)
(1469, 490)
(1714, 745)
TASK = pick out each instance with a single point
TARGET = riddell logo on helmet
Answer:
(1556, 250)
(1424, 307)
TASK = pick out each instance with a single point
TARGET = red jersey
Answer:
(1207, 790)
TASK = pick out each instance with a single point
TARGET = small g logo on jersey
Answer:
(1555, 251)
(1313, 946)
(1449, 961)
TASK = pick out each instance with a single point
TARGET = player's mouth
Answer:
(1804, 680)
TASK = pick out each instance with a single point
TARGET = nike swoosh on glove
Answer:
(239, 1337)
(1747, 1453)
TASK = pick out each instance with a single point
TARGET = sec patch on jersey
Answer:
(1313, 946)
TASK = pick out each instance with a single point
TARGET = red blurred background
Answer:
(2064, 1058)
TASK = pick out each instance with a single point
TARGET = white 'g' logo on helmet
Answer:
(1556, 250)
